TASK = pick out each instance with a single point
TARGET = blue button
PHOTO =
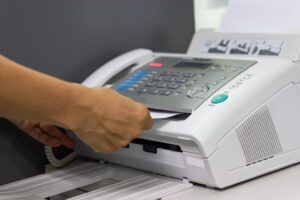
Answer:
(129, 82)
(219, 98)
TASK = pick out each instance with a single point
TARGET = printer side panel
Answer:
(267, 78)
(266, 140)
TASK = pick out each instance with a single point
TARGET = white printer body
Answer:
(254, 131)
(238, 110)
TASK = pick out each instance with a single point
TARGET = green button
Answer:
(219, 98)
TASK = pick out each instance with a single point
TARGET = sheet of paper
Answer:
(262, 16)
(163, 114)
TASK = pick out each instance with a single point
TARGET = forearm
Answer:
(27, 94)
(101, 117)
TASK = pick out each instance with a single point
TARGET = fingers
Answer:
(58, 134)
(37, 134)
(148, 121)
(44, 133)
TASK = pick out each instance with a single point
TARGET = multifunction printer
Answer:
(225, 112)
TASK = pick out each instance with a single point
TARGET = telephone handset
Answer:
(113, 67)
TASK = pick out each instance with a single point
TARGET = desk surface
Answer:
(279, 185)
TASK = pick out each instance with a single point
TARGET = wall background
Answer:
(209, 13)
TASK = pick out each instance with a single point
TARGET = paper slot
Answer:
(159, 114)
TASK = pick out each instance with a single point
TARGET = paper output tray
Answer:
(107, 182)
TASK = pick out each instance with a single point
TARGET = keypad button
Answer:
(142, 90)
(125, 85)
(150, 84)
(153, 91)
(215, 83)
(161, 85)
(181, 80)
(176, 74)
(189, 75)
(173, 86)
(166, 73)
(159, 78)
(165, 92)
(168, 79)
(197, 91)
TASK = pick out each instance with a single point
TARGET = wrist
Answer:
(75, 106)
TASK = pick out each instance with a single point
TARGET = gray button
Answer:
(142, 90)
(153, 91)
(197, 91)
(166, 73)
(177, 74)
(189, 75)
(150, 84)
(173, 86)
(181, 80)
(165, 92)
(161, 85)
(159, 78)
(168, 79)
(215, 83)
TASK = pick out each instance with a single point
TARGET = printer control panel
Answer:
(179, 84)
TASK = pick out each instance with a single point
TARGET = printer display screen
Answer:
(198, 65)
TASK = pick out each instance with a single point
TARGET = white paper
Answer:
(262, 16)
(163, 114)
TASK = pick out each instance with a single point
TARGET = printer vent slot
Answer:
(258, 137)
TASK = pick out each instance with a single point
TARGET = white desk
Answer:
(280, 185)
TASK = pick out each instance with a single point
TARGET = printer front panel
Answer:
(179, 83)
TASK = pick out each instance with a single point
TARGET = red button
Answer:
(155, 64)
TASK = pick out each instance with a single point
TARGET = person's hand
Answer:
(108, 121)
(44, 133)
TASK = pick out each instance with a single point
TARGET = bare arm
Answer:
(101, 117)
